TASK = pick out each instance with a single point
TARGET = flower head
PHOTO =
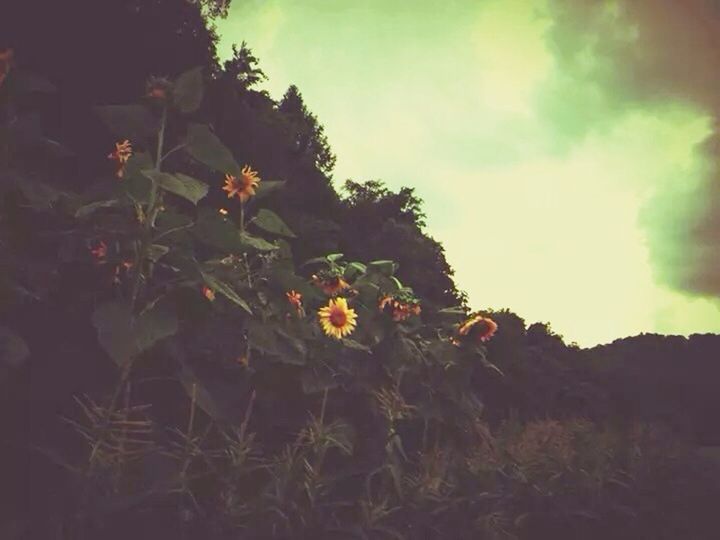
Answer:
(337, 319)
(478, 328)
(158, 88)
(244, 187)
(399, 307)
(331, 284)
(121, 155)
(99, 252)
(295, 299)
(6, 60)
(208, 293)
(223, 212)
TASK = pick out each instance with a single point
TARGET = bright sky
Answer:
(466, 101)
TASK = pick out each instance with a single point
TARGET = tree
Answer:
(308, 136)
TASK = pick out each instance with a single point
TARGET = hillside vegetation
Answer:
(202, 338)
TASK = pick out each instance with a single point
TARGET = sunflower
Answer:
(331, 285)
(336, 319)
(295, 299)
(479, 328)
(243, 187)
(121, 154)
(398, 308)
(158, 88)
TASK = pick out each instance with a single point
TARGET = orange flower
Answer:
(337, 319)
(330, 285)
(99, 252)
(158, 88)
(295, 299)
(398, 310)
(243, 187)
(6, 58)
(121, 154)
(479, 328)
(208, 293)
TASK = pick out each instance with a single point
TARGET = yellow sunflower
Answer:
(337, 319)
(244, 187)
(479, 327)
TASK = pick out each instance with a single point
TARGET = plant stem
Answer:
(150, 214)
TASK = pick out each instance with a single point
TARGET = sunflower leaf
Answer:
(270, 222)
(180, 184)
(188, 90)
(203, 145)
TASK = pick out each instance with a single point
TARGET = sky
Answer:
(566, 150)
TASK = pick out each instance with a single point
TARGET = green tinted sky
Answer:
(545, 178)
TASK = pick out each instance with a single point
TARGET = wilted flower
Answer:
(99, 252)
(478, 328)
(337, 319)
(400, 308)
(331, 284)
(208, 293)
(6, 60)
(295, 299)
(158, 88)
(243, 187)
(121, 155)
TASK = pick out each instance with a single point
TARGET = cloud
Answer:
(621, 57)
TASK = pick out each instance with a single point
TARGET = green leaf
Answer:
(386, 268)
(132, 122)
(188, 90)
(26, 81)
(354, 269)
(223, 288)
(203, 145)
(114, 324)
(452, 315)
(256, 242)
(182, 185)
(13, 349)
(124, 336)
(267, 187)
(157, 251)
(352, 344)
(269, 221)
(153, 324)
(88, 209)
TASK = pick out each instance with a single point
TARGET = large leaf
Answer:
(281, 346)
(13, 349)
(269, 221)
(226, 290)
(188, 90)
(133, 122)
(203, 145)
(267, 187)
(89, 209)
(124, 336)
(386, 268)
(256, 242)
(180, 184)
